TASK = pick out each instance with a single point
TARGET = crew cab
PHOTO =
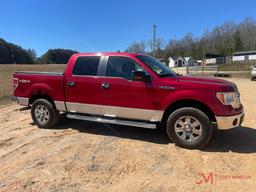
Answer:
(132, 90)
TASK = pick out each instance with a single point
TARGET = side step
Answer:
(113, 121)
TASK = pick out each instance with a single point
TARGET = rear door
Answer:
(83, 86)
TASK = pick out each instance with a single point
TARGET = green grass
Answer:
(7, 71)
(6, 100)
(236, 67)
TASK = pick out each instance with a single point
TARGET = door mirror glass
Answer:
(141, 76)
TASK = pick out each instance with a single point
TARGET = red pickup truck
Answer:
(134, 90)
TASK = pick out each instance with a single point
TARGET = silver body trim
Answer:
(113, 121)
(119, 112)
(23, 100)
(104, 110)
(60, 105)
(39, 73)
(226, 122)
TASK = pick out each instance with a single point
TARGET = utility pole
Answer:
(154, 40)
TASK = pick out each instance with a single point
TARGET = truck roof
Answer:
(108, 54)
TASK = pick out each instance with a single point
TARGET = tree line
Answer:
(222, 40)
(14, 54)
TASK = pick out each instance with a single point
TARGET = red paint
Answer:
(124, 93)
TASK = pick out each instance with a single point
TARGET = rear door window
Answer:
(86, 66)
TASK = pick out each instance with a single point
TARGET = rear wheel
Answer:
(252, 78)
(44, 113)
(189, 128)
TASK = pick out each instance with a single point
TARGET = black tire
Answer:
(205, 128)
(51, 112)
(252, 78)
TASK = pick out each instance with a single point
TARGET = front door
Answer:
(123, 97)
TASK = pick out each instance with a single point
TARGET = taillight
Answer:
(15, 83)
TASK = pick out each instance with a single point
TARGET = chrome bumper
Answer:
(229, 122)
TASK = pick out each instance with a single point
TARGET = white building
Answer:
(210, 61)
(181, 61)
(244, 56)
(199, 62)
(171, 62)
(189, 61)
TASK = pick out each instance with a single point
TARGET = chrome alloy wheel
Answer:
(188, 128)
(42, 114)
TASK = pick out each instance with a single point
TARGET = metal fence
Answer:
(211, 69)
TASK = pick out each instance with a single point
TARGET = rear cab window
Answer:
(86, 66)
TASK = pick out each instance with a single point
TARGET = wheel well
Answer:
(40, 96)
(189, 103)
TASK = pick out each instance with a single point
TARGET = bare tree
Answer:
(137, 47)
(159, 46)
(223, 39)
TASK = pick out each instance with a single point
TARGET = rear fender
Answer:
(40, 88)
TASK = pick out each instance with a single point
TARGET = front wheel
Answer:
(189, 128)
(44, 113)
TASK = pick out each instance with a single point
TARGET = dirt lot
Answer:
(83, 156)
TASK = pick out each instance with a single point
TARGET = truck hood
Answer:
(204, 80)
(205, 83)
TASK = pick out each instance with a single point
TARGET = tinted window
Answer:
(86, 66)
(156, 66)
(122, 67)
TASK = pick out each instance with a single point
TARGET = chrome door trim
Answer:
(113, 111)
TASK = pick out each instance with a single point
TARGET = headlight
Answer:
(229, 98)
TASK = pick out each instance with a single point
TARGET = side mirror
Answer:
(141, 76)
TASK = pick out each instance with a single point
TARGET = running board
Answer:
(113, 121)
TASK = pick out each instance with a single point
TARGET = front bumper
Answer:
(229, 122)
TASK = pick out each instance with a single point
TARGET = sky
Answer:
(111, 25)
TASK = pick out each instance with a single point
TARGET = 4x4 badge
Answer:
(166, 87)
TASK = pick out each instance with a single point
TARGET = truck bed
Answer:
(44, 83)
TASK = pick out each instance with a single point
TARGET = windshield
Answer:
(156, 66)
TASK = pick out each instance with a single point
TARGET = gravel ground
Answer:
(84, 156)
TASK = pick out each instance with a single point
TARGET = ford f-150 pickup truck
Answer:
(133, 90)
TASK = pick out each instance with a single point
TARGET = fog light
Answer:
(235, 122)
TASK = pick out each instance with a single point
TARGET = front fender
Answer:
(207, 98)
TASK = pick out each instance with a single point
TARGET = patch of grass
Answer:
(7, 71)
(236, 67)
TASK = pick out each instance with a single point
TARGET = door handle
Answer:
(105, 85)
(71, 83)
